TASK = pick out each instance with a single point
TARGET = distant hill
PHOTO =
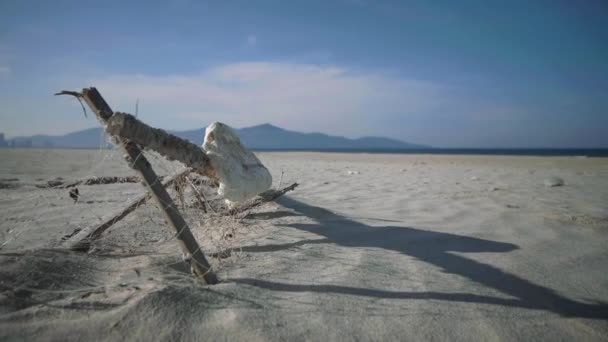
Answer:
(271, 137)
(88, 138)
(261, 137)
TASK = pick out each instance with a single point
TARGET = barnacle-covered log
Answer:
(168, 145)
(139, 163)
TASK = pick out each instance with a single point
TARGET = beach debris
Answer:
(59, 183)
(240, 173)
(81, 239)
(265, 197)
(553, 181)
(74, 194)
(353, 172)
(281, 179)
(585, 220)
(474, 178)
(167, 145)
(8, 185)
(187, 258)
(122, 127)
(223, 162)
(200, 197)
(223, 254)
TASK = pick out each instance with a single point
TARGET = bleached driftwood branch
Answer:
(168, 145)
(60, 184)
(81, 239)
(265, 197)
(198, 195)
(139, 163)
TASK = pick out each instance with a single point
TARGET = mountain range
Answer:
(261, 137)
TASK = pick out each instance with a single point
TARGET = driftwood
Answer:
(138, 162)
(198, 180)
(81, 239)
(9, 185)
(198, 195)
(60, 184)
(168, 145)
(265, 197)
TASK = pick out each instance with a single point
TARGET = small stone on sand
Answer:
(553, 181)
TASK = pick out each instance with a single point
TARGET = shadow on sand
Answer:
(433, 248)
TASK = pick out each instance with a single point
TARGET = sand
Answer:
(369, 247)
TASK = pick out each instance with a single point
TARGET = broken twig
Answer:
(60, 184)
(81, 239)
(78, 97)
(265, 197)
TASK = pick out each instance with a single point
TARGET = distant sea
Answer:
(567, 152)
(587, 152)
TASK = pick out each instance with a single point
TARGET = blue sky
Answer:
(444, 73)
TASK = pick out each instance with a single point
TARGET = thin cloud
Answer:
(4, 70)
(297, 96)
(252, 40)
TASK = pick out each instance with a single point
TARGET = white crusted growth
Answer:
(239, 171)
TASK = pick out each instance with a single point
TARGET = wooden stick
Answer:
(139, 163)
(265, 197)
(198, 195)
(168, 145)
(81, 239)
(59, 184)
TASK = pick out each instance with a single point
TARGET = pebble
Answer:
(553, 181)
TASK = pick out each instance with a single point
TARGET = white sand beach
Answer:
(369, 247)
